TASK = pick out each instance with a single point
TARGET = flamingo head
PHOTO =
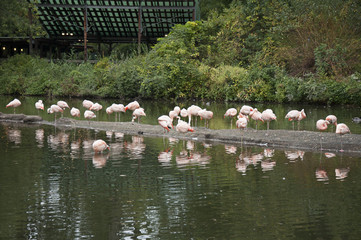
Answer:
(191, 130)
(125, 109)
(108, 147)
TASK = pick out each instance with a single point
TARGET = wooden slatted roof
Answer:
(113, 21)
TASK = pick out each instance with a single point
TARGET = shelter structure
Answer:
(102, 21)
(79, 22)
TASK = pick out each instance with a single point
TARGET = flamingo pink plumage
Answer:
(87, 104)
(39, 105)
(206, 115)
(75, 112)
(342, 129)
(132, 106)
(14, 103)
(100, 145)
(268, 116)
(137, 113)
(165, 122)
(183, 127)
(257, 116)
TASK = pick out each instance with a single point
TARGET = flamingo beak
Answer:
(108, 148)
(191, 130)
(125, 109)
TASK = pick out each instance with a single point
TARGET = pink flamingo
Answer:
(55, 109)
(268, 116)
(231, 112)
(332, 119)
(342, 129)
(89, 115)
(14, 103)
(165, 122)
(295, 115)
(39, 105)
(184, 113)
(242, 122)
(138, 113)
(117, 108)
(100, 145)
(207, 115)
(87, 104)
(257, 116)
(132, 106)
(75, 112)
(193, 111)
(322, 126)
(173, 114)
(183, 127)
(246, 110)
(109, 111)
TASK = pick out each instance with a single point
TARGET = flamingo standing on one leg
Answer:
(322, 126)
(231, 112)
(63, 105)
(342, 129)
(55, 109)
(14, 103)
(89, 115)
(268, 116)
(100, 145)
(39, 105)
(165, 122)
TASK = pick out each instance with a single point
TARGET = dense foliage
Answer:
(252, 51)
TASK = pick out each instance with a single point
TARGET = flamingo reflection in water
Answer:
(341, 173)
(294, 155)
(100, 159)
(165, 157)
(136, 148)
(14, 135)
(39, 137)
(321, 175)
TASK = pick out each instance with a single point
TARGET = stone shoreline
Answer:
(302, 140)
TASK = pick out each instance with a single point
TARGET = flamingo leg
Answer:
(267, 125)
(341, 150)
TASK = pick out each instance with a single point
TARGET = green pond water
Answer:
(53, 186)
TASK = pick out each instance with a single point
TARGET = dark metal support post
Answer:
(139, 28)
(85, 34)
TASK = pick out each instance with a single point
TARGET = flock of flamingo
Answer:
(166, 121)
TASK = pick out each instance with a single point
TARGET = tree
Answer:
(18, 18)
